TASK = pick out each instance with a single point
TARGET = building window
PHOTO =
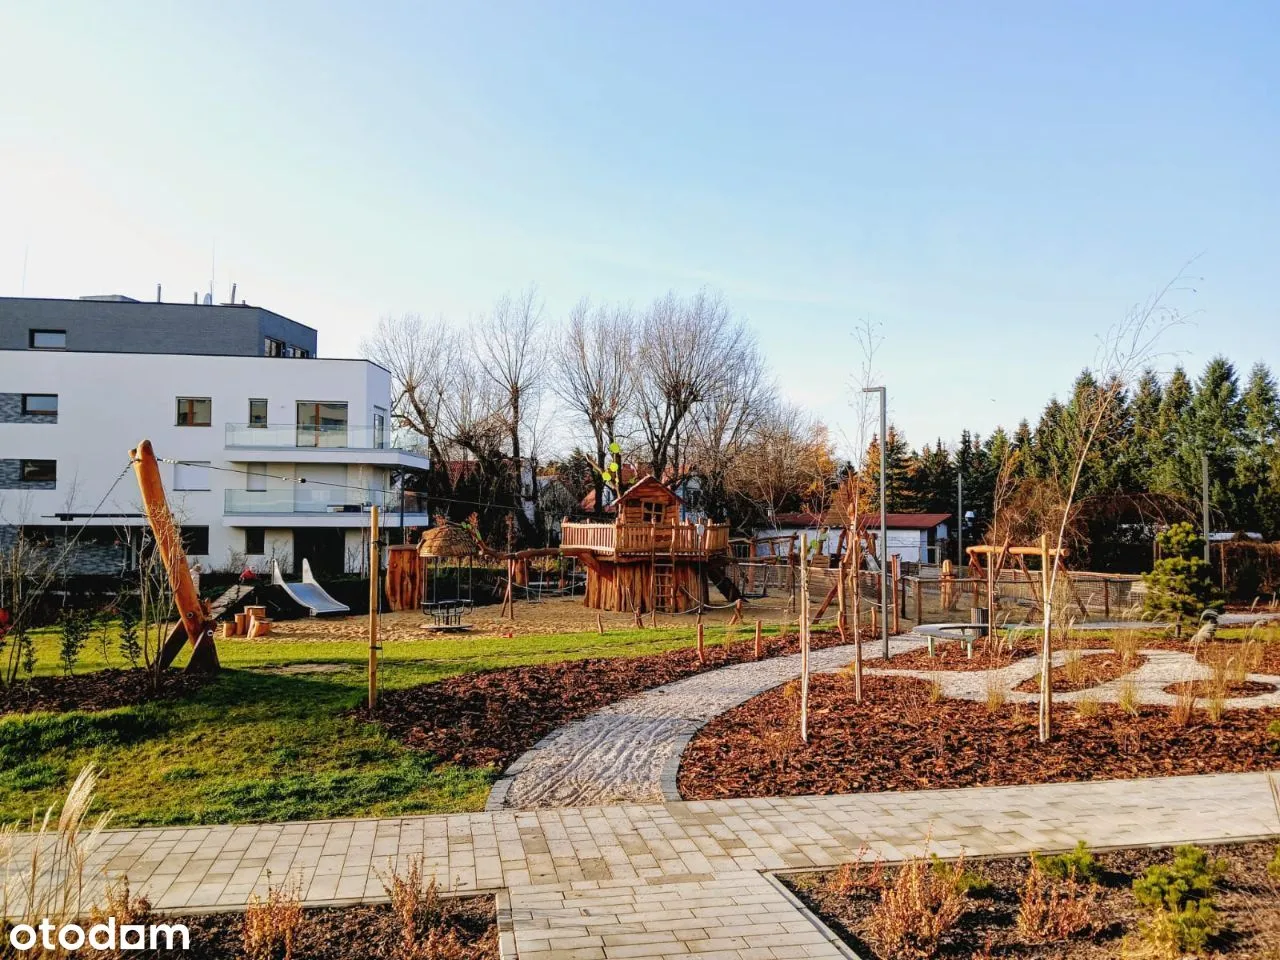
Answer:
(272, 347)
(303, 353)
(322, 424)
(48, 340)
(255, 541)
(379, 430)
(195, 540)
(40, 404)
(257, 413)
(195, 411)
(651, 512)
(256, 477)
(39, 471)
(191, 476)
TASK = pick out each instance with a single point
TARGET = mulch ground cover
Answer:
(1205, 688)
(952, 655)
(1088, 671)
(898, 739)
(490, 718)
(1266, 656)
(1246, 898)
(370, 932)
(102, 690)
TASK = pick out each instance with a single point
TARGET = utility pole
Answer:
(1204, 501)
(959, 521)
(884, 546)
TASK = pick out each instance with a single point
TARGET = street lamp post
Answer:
(959, 521)
(884, 546)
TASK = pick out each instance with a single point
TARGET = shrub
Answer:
(856, 876)
(917, 910)
(125, 907)
(419, 909)
(130, 646)
(971, 883)
(272, 923)
(75, 628)
(1179, 584)
(1191, 878)
(1055, 908)
(1273, 736)
(1079, 864)
(1171, 934)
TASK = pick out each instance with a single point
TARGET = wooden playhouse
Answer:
(648, 557)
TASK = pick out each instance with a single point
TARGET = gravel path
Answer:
(630, 752)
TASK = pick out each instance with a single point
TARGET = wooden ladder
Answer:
(664, 583)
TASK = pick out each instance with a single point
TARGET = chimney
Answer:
(195, 297)
(233, 293)
(157, 293)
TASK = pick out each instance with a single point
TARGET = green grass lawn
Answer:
(261, 745)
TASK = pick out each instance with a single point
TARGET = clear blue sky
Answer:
(993, 184)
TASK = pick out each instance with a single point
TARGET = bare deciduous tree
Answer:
(423, 359)
(596, 377)
(685, 350)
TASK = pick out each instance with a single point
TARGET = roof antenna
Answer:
(233, 293)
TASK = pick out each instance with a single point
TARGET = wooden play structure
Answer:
(196, 625)
(988, 562)
(648, 558)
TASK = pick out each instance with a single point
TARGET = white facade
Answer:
(248, 496)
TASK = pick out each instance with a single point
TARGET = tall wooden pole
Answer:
(1046, 649)
(804, 637)
(702, 650)
(857, 620)
(374, 568)
(759, 651)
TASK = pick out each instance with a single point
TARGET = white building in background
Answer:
(267, 452)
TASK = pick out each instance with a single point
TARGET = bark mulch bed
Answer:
(1246, 899)
(102, 690)
(1205, 688)
(1090, 671)
(897, 739)
(370, 931)
(952, 655)
(492, 717)
(1266, 654)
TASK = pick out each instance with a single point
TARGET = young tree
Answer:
(1180, 584)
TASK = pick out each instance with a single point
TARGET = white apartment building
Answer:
(273, 456)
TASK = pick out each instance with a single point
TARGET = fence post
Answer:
(919, 601)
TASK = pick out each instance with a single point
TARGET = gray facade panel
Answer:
(11, 411)
(133, 327)
(11, 478)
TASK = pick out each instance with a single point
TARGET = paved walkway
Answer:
(630, 751)
(677, 879)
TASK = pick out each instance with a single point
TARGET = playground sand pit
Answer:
(102, 690)
(898, 739)
(532, 618)
(490, 718)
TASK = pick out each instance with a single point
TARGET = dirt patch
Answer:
(897, 739)
(952, 655)
(365, 931)
(477, 719)
(1246, 899)
(1088, 671)
(103, 690)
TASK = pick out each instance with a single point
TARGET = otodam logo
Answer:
(47, 935)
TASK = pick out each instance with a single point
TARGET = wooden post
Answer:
(857, 620)
(895, 567)
(600, 623)
(804, 637)
(759, 651)
(374, 567)
(840, 573)
(702, 650)
(919, 594)
(1106, 598)
(1046, 649)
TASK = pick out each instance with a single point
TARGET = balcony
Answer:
(314, 500)
(335, 443)
(685, 539)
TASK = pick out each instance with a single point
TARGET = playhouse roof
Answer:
(446, 540)
(648, 488)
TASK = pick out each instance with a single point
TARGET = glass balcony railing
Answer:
(311, 436)
(304, 498)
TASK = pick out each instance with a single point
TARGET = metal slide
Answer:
(308, 593)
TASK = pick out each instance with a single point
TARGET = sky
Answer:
(992, 185)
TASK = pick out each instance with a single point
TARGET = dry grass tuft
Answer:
(918, 909)
(124, 907)
(857, 876)
(1087, 705)
(1127, 697)
(1073, 666)
(46, 878)
(272, 923)
(935, 688)
(1126, 643)
(997, 694)
(1052, 910)
(421, 912)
